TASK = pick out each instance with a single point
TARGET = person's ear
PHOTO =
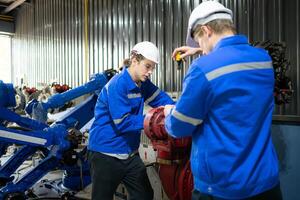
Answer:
(207, 31)
(134, 61)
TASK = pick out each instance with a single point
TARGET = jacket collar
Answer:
(231, 40)
(130, 83)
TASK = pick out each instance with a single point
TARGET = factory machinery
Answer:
(172, 157)
(59, 143)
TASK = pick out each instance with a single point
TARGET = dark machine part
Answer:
(283, 90)
(109, 73)
(70, 156)
(172, 156)
(20, 100)
(15, 196)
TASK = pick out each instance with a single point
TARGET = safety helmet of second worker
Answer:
(144, 56)
(207, 13)
(148, 50)
(143, 50)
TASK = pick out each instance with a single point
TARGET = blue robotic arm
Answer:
(37, 135)
(7, 99)
(45, 138)
(7, 96)
(9, 136)
(39, 110)
(58, 141)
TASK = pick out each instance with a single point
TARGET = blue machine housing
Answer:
(7, 95)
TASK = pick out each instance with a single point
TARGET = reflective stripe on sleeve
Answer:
(153, 96)
(185, 118)
(134, 95)
(118, 121)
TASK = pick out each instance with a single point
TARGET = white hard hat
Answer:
(205, 12)
(148, 50)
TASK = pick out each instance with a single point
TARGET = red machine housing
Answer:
(30, 90)
(60, 88)
(172, 156)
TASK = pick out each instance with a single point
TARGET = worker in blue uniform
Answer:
(115, 134)
(226, 106)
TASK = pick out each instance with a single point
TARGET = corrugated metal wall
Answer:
(66, 40)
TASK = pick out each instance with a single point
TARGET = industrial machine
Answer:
(39, 110)
(172, 157)
(283, 88)
(59, 143)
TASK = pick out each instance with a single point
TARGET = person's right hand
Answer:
(186, 51)
(167, 109)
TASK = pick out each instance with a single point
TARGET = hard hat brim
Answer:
(190, 41)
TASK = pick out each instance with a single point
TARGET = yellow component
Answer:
(177, 57)
(179, 60)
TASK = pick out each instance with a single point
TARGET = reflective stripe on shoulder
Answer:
(118, 121)
(153, 96)
(185, 118)
(134, 95)
(237, 67)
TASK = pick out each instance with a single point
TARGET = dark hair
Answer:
(218, 26)
(126, 62)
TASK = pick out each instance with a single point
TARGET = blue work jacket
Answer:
(226, 106)
(119, 114)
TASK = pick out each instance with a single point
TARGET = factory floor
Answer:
(54, 177)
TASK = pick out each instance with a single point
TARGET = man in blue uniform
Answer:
(226, 106)
(115, 134)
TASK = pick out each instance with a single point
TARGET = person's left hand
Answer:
(168, 109)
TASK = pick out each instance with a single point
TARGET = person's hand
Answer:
(168, 109)
(186, 51)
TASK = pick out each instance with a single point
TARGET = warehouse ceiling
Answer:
(8, 7)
